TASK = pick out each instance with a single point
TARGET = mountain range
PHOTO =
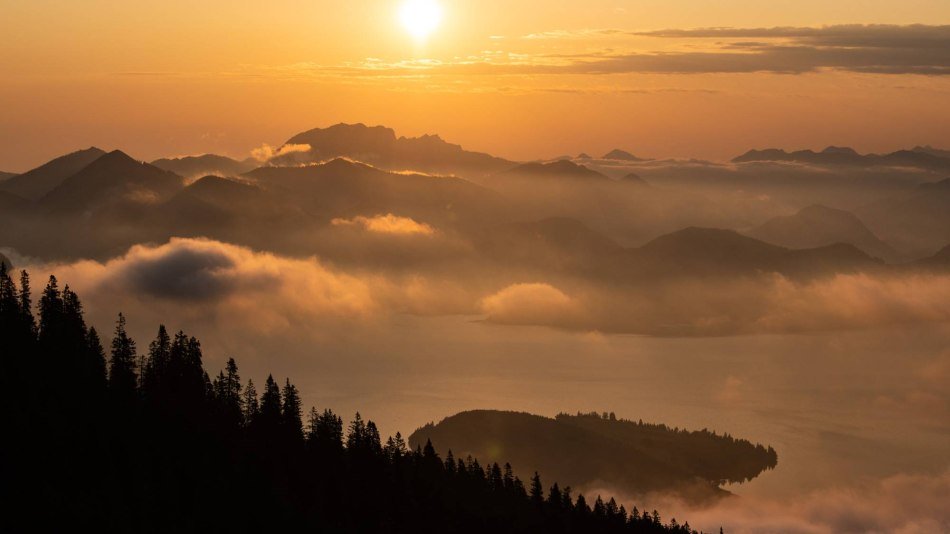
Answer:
(817, 226)
(380, 147)
(925, 158)
(560, 216)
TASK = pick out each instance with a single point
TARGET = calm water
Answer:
(837, 407)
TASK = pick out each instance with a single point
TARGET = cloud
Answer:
(200, 278)
(881, 49)
(902, 503)
(266, 152)
(530, 303)
(387, 224)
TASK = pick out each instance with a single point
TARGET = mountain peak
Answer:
(37, 182)
(840, 150)
(621, 155)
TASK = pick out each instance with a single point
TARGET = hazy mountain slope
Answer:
(114, 177)
(709, 251)
(9, 201)
(380, 147)
(560, 169)
(848, 156)
(38, 182)
(817, 226)
(588, 452)
(918, 221)
(343, 188)
(4, 176)
(207, 164)
(621, 155)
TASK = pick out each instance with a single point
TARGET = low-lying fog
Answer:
(860, 418)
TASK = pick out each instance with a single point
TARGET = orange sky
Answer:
(519, 78)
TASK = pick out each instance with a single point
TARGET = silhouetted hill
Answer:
(621, 155)
(817, 226)
(940, 260)
(708, 251)
(927, 149)
(633, 178)
(11, 202)
(4, 176)
(919, 220)
(591, 451)
(555, 169)
(208, 164)
(380, 147)
(111, 178)
(704, 248)
(557, 243)
(343, 188)
(847, 156)
(38, 182)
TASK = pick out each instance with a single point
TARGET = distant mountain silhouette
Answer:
(927, 149)
(557, 243)
(554, 169)
(634, 178)
(112, 177)
(940, 260)
(380, 147)
(709, 251)
(621, 155)
(208, 164)
(343, 188)
(43, 179)
(919, 220)
(4, 176)
(9, 201)
(591, 451)
(817, 226)
(847, 156)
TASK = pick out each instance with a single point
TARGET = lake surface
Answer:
(837, 407)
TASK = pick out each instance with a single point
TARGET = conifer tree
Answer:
(291, 411)
(95, 360)
(250, 405)
(270, 414)
(26, 305)
(537, 490)
(122, 378)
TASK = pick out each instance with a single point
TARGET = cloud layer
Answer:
(387, 224)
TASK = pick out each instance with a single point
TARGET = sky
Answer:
(523, 79)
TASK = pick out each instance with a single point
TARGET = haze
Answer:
(729, 216)
(519, 79)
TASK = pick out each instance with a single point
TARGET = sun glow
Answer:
(420, 17)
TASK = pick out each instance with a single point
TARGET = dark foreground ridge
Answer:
(150, 443)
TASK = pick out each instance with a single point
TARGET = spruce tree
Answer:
(537, 490)
(250, 405)
(122, 378)
(291, 412)
(270, 414)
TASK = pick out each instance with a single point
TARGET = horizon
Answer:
(574, 155)
(400, 241)
(690, 80)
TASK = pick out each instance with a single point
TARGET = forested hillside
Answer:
(598, 450)
(143, 439)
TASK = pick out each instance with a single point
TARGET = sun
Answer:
(420, 17)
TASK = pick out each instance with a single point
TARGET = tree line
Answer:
(117, 437)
